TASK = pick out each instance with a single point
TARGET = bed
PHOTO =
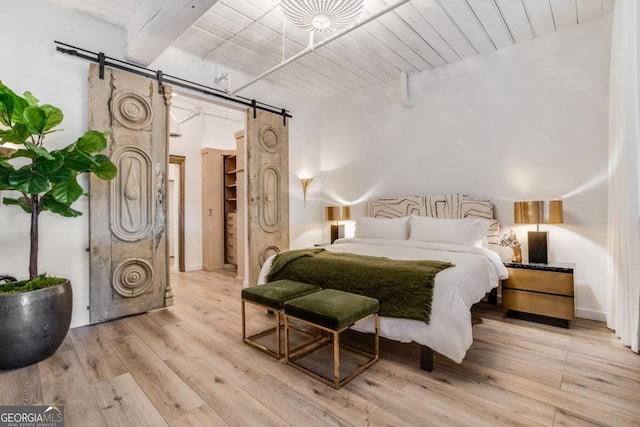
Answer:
(451, 228)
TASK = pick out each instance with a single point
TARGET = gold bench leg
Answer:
(336, 359)
(291, 355)
(279, 317)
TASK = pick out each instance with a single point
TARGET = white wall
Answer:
(523, 123)
(29, 63)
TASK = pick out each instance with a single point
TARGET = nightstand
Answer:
(540, 292)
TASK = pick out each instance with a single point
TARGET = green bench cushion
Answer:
(275, 294)
(331, 308)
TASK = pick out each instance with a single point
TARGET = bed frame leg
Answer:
(426, 358)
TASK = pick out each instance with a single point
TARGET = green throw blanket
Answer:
(403, 288)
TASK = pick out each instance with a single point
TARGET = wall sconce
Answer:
(337, 213)
(538, 212)
(305, 185)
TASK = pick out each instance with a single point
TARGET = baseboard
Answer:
(193, 267)
(583, 313)
(78, 321)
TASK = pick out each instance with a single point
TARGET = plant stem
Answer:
(33, 253)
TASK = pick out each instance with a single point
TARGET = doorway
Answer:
(176, 212)
(201, 124)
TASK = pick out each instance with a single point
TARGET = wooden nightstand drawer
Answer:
(557, 306)
(550, 282)
(540, 292)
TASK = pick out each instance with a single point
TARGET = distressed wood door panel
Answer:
(267, 173)
(128, 230)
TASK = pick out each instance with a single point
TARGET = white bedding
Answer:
(477, 271)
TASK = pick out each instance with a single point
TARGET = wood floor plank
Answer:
(159, 340)
(124, 403)
(114, 329)
(466, 405)
(343, 403)
(563, 419)
(199, 417)
(290, 405)
(99, 360)
(524, 364)
(237, 369)
(229, 401)
(589, 408)
(411, 406)
(20, 386)
(168, 393)
(611, 394)
(64, 383)
(477, 384)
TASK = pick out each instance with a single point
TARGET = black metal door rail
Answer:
(162, 78)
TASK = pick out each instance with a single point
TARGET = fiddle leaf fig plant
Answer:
(46, 180)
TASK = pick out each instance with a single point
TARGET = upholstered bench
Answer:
(331, 311)
(272, 297)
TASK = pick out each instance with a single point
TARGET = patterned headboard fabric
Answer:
(453, 206)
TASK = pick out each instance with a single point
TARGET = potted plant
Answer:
(35, 313)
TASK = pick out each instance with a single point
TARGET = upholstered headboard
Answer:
(437, 206)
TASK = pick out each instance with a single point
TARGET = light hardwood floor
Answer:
(187, 366)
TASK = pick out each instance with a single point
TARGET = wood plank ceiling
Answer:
(247, 35)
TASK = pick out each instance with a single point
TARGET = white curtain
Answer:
(623, 273)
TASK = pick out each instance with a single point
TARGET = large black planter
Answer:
(33, 324)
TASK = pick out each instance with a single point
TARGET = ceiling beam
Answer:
(157, 24)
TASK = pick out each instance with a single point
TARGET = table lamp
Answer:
(538, 212)
(337, 214)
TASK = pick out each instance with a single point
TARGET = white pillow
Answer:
(382, 228)
(467, 231)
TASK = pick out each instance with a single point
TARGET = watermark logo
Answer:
(31, 416)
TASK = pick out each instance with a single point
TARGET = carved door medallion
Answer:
(128, 232)
(268, 189)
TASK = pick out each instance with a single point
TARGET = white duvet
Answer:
(476, 272)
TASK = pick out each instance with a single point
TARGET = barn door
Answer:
(127, 216)
(267, 173)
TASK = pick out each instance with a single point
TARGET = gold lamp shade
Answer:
(538, 212)
(337, 213)
(554, 212)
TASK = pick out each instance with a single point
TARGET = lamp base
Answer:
(337, 232)
(538, 253)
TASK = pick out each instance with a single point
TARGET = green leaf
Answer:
(78, 161)
(60, 175)
(50, 204)
(54, 116)
(23, 153)
(66, 191)
(31, 100)
(18, 134)
(35, 118)
(39, 151)
(91, 142)
(6, 169)
(6, 108)
(105, 169)
(48, 166)
(29, 181)
(19, 105)
(22, 202)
